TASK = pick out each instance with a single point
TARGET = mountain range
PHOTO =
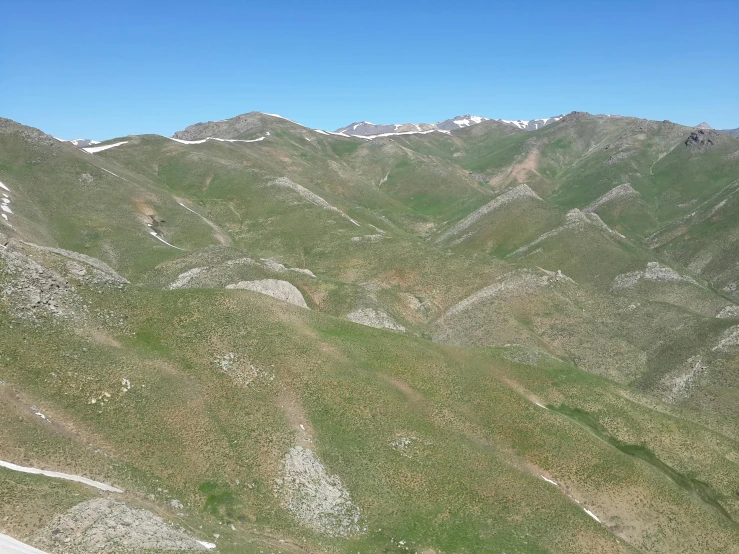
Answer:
(476, 335)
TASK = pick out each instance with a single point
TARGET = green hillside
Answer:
(511, 341)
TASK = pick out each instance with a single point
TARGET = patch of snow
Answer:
(541, 405)
(281, 117)
(208, 545)
(591, 514)
(6, 208)
(113, 174)
(213, 138)
(550, 481)
(57, 475)
(4, 187)
(9, 545)
(154, 234)
(94, 149)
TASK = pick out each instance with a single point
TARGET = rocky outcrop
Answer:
(702, 138)
(282, 290)
(374, 318)
(103, 525)
(654, 272)
(316, 498)
(621, 191)
(517, 193)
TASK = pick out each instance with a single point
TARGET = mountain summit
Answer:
(367, 129)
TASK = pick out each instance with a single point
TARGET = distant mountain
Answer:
(732, 132)
(367, 129)
(703, 125)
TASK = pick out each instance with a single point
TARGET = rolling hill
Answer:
(271, 338)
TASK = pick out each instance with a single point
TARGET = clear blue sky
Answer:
(100, 69)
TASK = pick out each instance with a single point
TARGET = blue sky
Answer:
(104, 69)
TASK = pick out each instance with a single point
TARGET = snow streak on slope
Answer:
(213, 138)
(9, 545)
(57, 475)
(154, 234)
(94, 149)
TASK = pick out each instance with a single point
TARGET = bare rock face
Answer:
(702, 138)
(282, 290)
(103, 525)
(314, 497)
(374, 318)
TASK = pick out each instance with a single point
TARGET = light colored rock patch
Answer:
(507, 285)
(679, 386)
(315, 498)
(654, 272)
(728, 339)
(282, 290)
(598, 222)
(32, 289)
(729, 312)
(574, 219)
(309, 196)
(104, 271)
(517, 193)
(307, 272)
(621, 191)
(242, 371)
(101, 525)
(527, 355)
(183, 279)
(366, 238)
(374, 318)
(273, 265)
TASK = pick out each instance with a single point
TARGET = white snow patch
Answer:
(93, 149)
(9, 545)
(113, 174)
(208, 545)
(281, 117)
(4, 187)
(213, 138)
(550, 481)
(591, 514)
(57, 475)
(154, 234)
(541, 405)
(6, 208)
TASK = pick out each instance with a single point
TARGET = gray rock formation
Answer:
(374, 318)
(103, 525)
(282, 290)
(315, 498)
